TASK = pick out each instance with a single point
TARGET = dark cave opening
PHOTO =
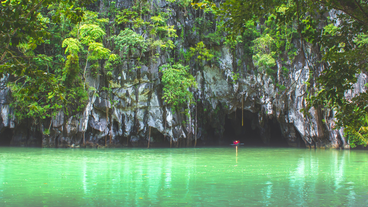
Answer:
(250, 132)
(277, 139)
(300, 141)
(6, 137)
(38, 141)
(157, 136)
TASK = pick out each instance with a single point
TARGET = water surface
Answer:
(183, 177)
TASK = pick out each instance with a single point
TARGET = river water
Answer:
(183, 177)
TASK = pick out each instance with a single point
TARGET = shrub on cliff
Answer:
(177, 81)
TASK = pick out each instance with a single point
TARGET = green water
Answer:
(183, 177)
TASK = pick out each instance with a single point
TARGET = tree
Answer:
(25, 32)
(22, 22)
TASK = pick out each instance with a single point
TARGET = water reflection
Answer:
(165, 177)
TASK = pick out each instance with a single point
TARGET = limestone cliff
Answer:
(270, 115)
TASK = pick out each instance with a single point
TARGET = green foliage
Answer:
(97, 51)
(46, 78)
(71, 69)
(344, 48)
(89, 33)
(32, 100)
(234, 77)
(201, 52)
(176, 81)
(159, 33)
(343, 43)
(183, 3)
(41, 83)
(129, 17)
(72, 45)
(88, 36)
(53, 82)
(159, 28)
(186, 55)
(357, 128)
(264, 57)
(112, 61)
(129, 42)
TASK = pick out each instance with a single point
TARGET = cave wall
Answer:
(138, 105)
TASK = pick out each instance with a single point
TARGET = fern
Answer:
(97, 51)
(90, 33)
(72, 46)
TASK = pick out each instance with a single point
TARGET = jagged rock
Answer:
(98, 121)
(102, 104)
(85, 116)
(5, 112)
(72, 126)
(58, 120)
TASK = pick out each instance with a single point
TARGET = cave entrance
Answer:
(6, 137)
(249, 133)
(158, 139)
(277, 139)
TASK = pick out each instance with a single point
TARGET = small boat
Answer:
(236, 143)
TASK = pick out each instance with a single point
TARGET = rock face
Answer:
(269, 116)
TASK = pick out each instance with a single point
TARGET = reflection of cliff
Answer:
(138, 105)
(321, 176)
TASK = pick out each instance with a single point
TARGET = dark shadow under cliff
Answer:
(6, 137)
(250, 132)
